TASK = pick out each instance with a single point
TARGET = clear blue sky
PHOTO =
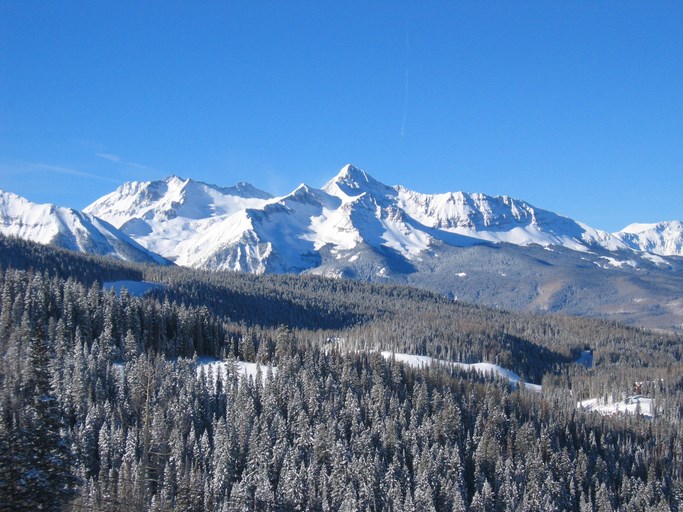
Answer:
(576, 107)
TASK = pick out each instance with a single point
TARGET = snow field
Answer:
(482, 368)
(630, 405)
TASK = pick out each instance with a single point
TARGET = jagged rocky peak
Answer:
(188, 187)
(353, 181)
(174, 197)
(301, 190)
(302, 194)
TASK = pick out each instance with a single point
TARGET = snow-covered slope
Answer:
(501, 219)
(69, 229)
(411, 219)
(663, 238)
(242, 228)
(170, 216)
(631, 405)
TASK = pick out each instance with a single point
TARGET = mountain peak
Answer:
(353, 181)
(176, 179)
(241, 189)
(663, 238)
(353, 172)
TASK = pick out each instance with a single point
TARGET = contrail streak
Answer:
(405, 104)
(405, 91)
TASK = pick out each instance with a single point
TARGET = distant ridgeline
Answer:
(103, 405)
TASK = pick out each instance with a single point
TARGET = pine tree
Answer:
(46, 480)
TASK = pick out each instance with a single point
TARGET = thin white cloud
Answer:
(111, 157)
(18, 166)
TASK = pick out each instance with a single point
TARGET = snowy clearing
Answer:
(215, 366)
(482, 368)
(630, 405)
(248, 370)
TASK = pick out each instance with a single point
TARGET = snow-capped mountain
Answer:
(472, 217)
(492, 250)
(663, 238)
(170, 216)
(69, 229)
(243, 228)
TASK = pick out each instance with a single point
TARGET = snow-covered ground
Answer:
(630, 405)
(135, 288)
(483, 368)
(222, 367)
(617, 263)
(215, 366)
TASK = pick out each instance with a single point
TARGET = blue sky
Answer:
(576, 107)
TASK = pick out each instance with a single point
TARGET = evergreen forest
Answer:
(106, 403)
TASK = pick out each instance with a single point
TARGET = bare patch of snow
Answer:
(619, 263)
(657, 260)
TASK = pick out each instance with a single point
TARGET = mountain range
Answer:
(69, 229)
(494, 250)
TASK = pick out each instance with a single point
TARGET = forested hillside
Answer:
(105, 405)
